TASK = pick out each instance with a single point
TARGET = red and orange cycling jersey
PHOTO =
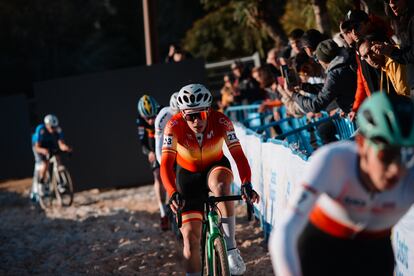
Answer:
(181, 145)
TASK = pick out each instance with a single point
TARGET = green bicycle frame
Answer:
(214, 233)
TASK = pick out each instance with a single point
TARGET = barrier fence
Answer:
(276, 168)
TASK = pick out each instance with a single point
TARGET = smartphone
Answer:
(289, 75)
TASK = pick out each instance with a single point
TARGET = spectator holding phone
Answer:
(340, 83)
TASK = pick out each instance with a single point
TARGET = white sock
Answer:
(193, 273)
(228, 225)
(162, 210)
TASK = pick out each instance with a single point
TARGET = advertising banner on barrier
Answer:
(403, 244)
(252, 147)
(281, 169)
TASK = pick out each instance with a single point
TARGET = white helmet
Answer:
(194, 96)
(173, 102)
(51, 120)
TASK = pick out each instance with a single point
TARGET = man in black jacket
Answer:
(340, 83)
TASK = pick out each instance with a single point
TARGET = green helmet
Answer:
(388, 118)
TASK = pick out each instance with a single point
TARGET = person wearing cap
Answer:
(340, 83)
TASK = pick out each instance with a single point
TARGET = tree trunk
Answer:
(321, 16)
(266, 14)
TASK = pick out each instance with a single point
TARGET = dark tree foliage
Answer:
(50, 39)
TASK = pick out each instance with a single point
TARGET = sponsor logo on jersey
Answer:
(210, 134)
(355, 201)
(225, 122)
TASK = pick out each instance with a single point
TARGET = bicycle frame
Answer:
(214, 232)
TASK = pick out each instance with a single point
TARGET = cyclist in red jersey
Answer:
(193, 164)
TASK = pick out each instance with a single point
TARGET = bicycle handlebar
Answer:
(214, 199)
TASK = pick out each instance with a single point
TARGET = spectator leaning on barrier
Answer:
(391, 71)
(340, 83)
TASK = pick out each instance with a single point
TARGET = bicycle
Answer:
(213, 246)
(58, 187)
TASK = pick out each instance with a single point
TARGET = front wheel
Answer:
(64, 188)
(220, 262)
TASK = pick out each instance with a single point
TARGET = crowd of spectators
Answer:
(316, 72)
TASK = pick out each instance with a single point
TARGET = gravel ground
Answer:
(104, 233)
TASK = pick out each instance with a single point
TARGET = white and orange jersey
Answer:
(181, 145)
(333, 198)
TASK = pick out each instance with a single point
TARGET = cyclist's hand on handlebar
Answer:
(248, 194)
(176, 202)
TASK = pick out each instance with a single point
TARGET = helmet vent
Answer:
(368, 116)
(199, 97)
(198, 90)
(192, 98)
(388, 121)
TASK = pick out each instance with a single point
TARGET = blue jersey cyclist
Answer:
(46, 140)
(148, 109)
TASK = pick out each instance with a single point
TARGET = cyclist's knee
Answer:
(191, 242)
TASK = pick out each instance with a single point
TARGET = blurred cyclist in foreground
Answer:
(47, 139)
(340, 217)
(148, 109)
(193, 164)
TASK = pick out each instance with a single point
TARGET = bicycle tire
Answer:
(66, 198)
(220, 262)
(45, 201)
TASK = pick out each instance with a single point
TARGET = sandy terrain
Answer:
(103, 233)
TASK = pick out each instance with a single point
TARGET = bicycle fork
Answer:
(211, 231)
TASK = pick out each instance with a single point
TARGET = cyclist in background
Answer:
(47, 139)
(353, 192)
(193, 141)
(161, 121)
(148, 109)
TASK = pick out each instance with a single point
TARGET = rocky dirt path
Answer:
(112, 232)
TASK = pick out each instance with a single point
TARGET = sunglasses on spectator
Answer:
(191, 117)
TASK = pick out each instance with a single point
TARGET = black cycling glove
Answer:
(247, 190)
(178, 198)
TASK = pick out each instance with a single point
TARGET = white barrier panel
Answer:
(281, 169)
(403, 244)
(275, 174)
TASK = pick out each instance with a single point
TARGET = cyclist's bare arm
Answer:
(63, 146)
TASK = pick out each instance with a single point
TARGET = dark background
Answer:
(97, 113)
